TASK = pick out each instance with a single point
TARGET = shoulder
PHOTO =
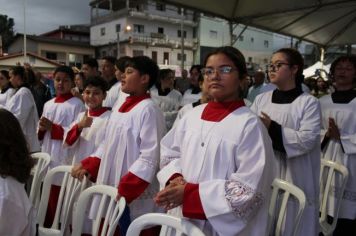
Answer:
(176, 93)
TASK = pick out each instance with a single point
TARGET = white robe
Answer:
(115, 97)
(22, 105)
(131, 144)
(62, 113)
(234, 169)
(4, 97)
(300, 121)
(90, 138)
(169, 104)
(345, 118)
(17, 216)
(188, 97)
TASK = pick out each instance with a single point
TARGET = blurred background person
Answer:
(258, 83)
(90, 68)
(194, 92)
(6, 89)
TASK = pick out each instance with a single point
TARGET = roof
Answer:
(29, 54)
(56, 40)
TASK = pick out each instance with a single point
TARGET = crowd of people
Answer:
(205, 147)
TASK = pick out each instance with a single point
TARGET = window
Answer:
(179, 57)
(137, 53)
(252, 39)
(180, 34)
(213, 34)
(166, 58)
(180, 11)
(103, 53)
(102, 31)
(139, 29)
(118, 28)
(160, 30)
(51, 55)
(266, 43)
(160, 7)
(154, 56)
(241, 38)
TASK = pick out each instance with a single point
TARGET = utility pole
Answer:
(24, 32)
(182, 40)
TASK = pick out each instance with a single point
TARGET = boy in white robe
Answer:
(293, 121)
(58, 114)
(129, 154)
(217, 163)
(339, 139)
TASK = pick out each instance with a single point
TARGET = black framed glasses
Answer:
(276, 66)
(222, 70)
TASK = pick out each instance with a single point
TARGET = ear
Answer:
(294, 69)
(145, 79)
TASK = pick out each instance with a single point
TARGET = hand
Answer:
(333, 131)
(178, 180)
(171, 196)
(266, 120)
(78, 171)
(86, 121)
(45, 124)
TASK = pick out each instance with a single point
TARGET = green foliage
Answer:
(6, 31)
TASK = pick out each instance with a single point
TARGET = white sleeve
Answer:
(349, 143)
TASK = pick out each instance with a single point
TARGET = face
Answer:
(321, 83)
(78, 80)
(107, 69)
(194, 77)
(168, 82)
(93, 97)
(259, 78)
(62, 83)
(88, 71)
(118, 74)
(3, 81)
(344, 74)
(280, 72)
(15, 80)
(133, 82)
(222, 86)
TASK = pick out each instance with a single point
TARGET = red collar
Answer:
(98, 112)
(132, 101)
(217, 111)
(63, 97)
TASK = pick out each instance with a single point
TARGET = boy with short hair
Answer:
(129, 154)
(88, 130)
(58, 114)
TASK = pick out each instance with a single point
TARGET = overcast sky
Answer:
(46, 15)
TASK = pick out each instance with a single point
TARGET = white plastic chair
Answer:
(38, 173)
(286, 190)
(152, 219)
(113, 209)
(70, 189)
(330, 170)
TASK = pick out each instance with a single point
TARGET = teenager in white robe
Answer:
(166, 97)
(339, 139)
(293, 121)
(23, 106)
(193, 94)
(58, 114)
(87, 132)
(217, 164)
(129, 154)
(6, 89)
(17, 216)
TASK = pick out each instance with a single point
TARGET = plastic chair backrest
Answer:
(328, 172)
(70, 189)
(113, 209)
(151, 219)
(38, 173)
(286, 190)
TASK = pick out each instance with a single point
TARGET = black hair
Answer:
(110, 59)
(5, 73)
(163, 73)
(20, 71)
(234, 55)
(121, 63)
(65, 69)
(92, 62)
(15, 159)
(96, 81)
(146, 66)
(294, 58)
(198, 68)
(349, 58)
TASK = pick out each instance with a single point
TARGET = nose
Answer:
(215, 75)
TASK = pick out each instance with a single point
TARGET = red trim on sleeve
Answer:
(73, 135)
(131, 187)
(91, 164)
(41, 134)
(57, 132)
(175, 175)
(192, 206)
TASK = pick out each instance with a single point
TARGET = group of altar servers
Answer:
(214, 165)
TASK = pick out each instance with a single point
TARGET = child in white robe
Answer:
(194, 92)
(17, 216)
(6, 89)
(292, 118)
(23, 106)
(129, 154)
(58, 114)
(339, 138)
(217, 164)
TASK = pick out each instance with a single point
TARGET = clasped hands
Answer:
(172, 195)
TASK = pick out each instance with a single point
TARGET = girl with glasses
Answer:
(217, 163)
(292, 118)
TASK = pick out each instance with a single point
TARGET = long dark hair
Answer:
(294, 58)
(15, 159)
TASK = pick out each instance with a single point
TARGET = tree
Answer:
(6, 31)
